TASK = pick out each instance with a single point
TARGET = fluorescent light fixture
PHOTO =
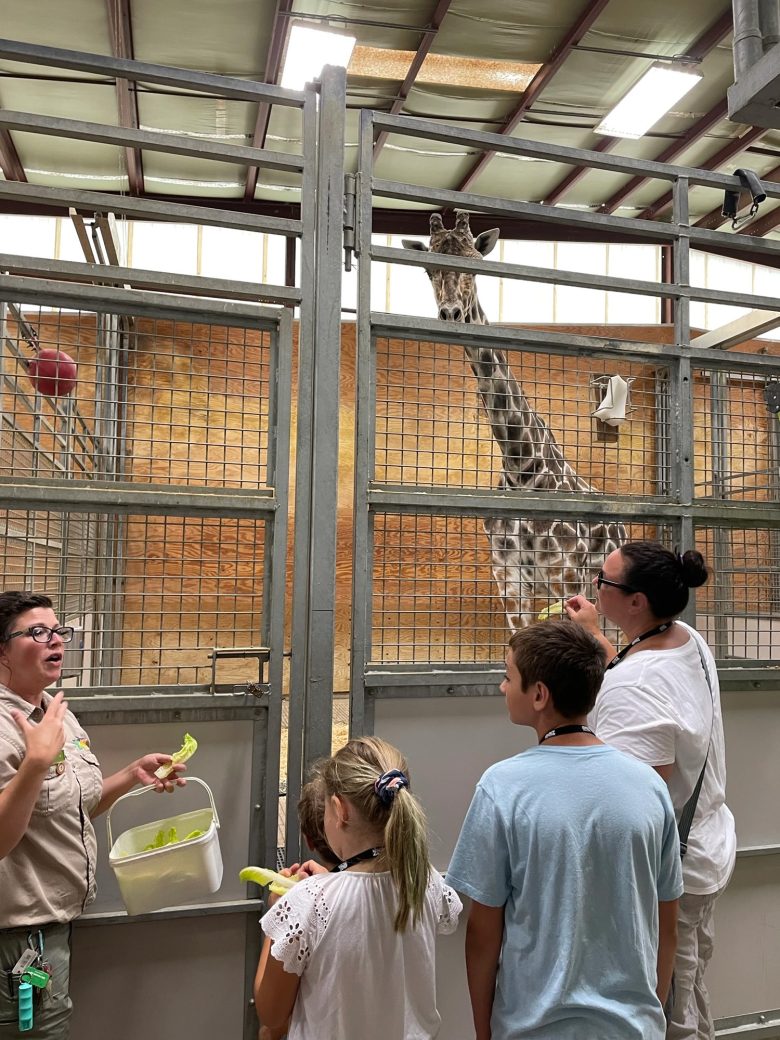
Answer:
(649, 99)
(308, 50)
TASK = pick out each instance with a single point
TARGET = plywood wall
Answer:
(196, 414)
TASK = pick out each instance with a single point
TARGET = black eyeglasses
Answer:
(601, 580)
(43, 634)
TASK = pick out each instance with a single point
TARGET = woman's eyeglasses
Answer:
(601, 580)
(43, 634)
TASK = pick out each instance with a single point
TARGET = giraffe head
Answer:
(455, 291)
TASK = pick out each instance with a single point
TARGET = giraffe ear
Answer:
(412, 243)
(485, 241)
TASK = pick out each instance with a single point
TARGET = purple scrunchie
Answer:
(388, 783)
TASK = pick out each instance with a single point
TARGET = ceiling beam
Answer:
(720, 158)
(273, 66)
(693, 133)
(749, 326)
(697, 51)
(713, 220)
(423, 48)
(10, 163)
(121, 33)
(572, 37)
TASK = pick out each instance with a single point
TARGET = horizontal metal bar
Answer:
(230, 87)
(753, 678)
(758, 1025)
(652, 230)
(749, 326)
(432, 330)
(457, 502)
(150, 140)
(758, 850)
(111, 300)
(98, 917)
(409, 126)
(175, 694)
(146, 209)
(156, 500)
(69, 270)
(506, 337)
(111, 710)
(438, 261)
(406, 680)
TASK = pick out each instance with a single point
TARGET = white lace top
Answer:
(359, 978)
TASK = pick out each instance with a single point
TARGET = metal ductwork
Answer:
(755, 96)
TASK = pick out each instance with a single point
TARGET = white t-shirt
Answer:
(656, 706)
(360, 978)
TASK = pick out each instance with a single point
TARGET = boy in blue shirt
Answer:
(570, 854)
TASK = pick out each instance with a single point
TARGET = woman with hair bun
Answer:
(660, 702)
(350, 952)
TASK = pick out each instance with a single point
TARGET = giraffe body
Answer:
(530, 558)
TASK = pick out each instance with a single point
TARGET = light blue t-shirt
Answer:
(580, 844)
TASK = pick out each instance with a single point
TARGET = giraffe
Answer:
(529, 557)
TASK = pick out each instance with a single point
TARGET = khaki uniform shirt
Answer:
(50, 875)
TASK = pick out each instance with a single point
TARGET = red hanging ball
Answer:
(52, 372)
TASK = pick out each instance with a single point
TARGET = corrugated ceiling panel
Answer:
(93, 102)
(515, 32)
(57, 162)
(228, 38)
(167, 174)
(658, 27)
(214, 118)
(410, 13)
(77, 25)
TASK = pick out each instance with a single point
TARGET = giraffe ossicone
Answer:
(531, 558)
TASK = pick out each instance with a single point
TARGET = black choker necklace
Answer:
(358, 858)
(638, 639)
(561, 731)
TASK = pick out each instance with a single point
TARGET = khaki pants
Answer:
(691, 1014)
(51, 1007)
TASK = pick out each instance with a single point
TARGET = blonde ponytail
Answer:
(354, 772)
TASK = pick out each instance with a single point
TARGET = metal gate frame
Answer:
(680, 511)
(123, 291)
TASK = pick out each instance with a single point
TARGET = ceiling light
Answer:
(308, 50)
(649, 99)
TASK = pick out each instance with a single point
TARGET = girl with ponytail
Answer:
(350, 953)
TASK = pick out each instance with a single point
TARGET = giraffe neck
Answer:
(532, 458)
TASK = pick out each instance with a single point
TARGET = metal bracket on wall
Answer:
(262, 653)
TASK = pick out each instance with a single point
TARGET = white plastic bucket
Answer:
(173, 875)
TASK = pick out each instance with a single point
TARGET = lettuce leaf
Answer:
(187, 750)
(278, 883)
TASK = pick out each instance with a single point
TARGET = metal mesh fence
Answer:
(151, 596)
(435, 589)
(432, 427)
(157, 401)
(739, 608)
(736, 436)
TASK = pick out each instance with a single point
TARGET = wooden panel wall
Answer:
(197, 413)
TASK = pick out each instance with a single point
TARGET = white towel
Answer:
(612, 409)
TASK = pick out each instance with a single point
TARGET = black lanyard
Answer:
(358, 858)
(645, 635)
(561, 731)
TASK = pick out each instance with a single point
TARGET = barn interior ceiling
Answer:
(580, 57)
